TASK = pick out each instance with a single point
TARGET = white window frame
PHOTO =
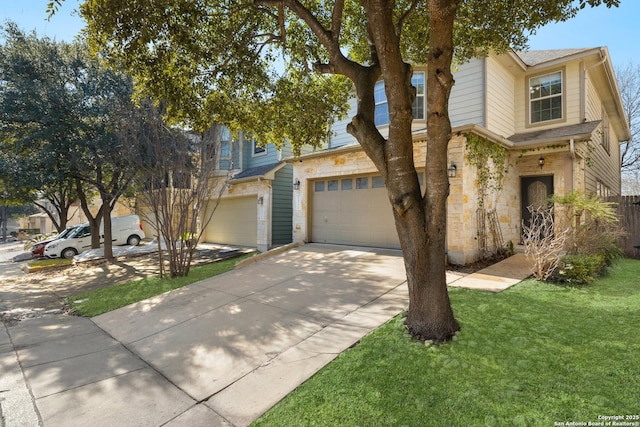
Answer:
(224, 134)
(606, 139)
(382, 101)
(262, 151)
(532, 89)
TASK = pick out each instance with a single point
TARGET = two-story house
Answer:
(557, 113)
(252, 197)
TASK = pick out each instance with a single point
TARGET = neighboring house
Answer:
(43, 223)
(255, 187)
(558, 113)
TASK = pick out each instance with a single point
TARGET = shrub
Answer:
(580, 269)
(543, 242)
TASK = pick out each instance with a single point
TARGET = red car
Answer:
(37, 249)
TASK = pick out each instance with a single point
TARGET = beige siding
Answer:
(501, 85)
(466, 104)
(602, 163)
(594, 103)
(339, 135)
(571, 98)
(602, 167)
(572, 90)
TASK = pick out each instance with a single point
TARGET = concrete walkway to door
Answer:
(219, 352)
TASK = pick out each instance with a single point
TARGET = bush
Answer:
(580, 269)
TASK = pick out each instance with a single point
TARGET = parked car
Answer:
(125, 230)
(37, 249)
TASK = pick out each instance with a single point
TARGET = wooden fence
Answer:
(629, 214)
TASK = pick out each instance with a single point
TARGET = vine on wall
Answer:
(490, 162)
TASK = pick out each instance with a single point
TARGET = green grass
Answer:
(110, 298)
(533, 355)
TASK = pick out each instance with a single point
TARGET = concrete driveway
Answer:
(218, 352)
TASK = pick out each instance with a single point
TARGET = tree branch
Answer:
(405, 16)
(336, 20)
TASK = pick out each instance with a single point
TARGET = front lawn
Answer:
(534, 355)
(110, 298)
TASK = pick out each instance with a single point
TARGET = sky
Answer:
(616, 28)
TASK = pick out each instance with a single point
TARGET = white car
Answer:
(125, 230)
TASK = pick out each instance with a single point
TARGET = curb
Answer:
(29, 270)
(268, 254)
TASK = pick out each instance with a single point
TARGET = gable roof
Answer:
(580, 131)
(532, 58)
(258, 172)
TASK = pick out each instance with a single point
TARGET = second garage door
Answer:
(352, 211)
(234, 222)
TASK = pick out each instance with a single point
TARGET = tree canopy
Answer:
(60, 110)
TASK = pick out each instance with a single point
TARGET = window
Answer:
(346, 184)
(225, 149)
(605, 132)
(257, 149)
(332, 185)
(224, 158)
(319, 186)
(418, 104)
(545, 96)
(381, 115)
(377, 182)
(602, 190)
(362, 183)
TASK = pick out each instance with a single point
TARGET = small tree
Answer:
(175, 171)
(543, 242)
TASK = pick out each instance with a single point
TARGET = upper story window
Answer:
(257, 150)
(225, 143)
(224, 157)
(545, 97)
(381, 115)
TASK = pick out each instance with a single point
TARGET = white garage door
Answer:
(234, 222)
(352, 211)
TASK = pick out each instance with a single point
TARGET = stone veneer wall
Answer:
(462, 204)
(461, 221)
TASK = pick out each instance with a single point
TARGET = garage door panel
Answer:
(354, 216)
(234, 222)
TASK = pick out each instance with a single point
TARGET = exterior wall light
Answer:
(296, 184)
(451, 171)
(541, 162)
(260, 200)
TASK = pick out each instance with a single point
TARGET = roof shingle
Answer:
(559, 133)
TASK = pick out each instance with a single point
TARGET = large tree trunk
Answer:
(430, 314)
(420, 221)
(106, 225)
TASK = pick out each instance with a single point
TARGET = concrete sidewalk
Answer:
(216, 353)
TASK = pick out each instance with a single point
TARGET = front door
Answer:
(535, 191)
